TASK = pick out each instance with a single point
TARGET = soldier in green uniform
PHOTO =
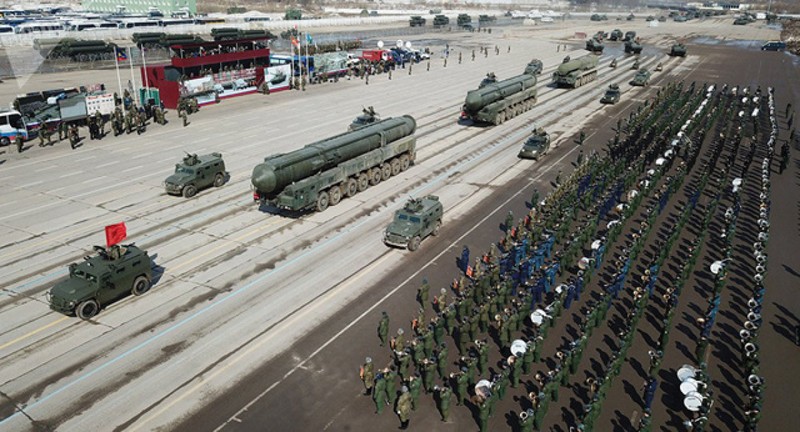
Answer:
(502, 382)
(527, 359)
(441, 360)
(100, 123)
(398, 343)
(73, 136)
(414, 384)
(383, 328)
(402, 360)
(184, 117)
(462, 384)
(427, 369)
(459, 57)
(443, 401)
(391, 386)
(19, 142)
(422, 293)
(483, 414)
(473, 55)
(63, 130)
(404, 406)
(379, 393)
(368, 376)
(516, 371)
(483, 356)
(42, 134)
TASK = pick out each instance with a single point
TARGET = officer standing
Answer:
(19, 142)
(379, 393)
(63, 130)
(73, 136)
(391, 386)
(383, 328)
(100, 123)
(459, 57)
(404, 405)
(367, 373)
(184, 117)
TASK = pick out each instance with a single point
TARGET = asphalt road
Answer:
(260, 321)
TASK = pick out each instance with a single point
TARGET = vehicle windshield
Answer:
(407, 218)
(83, 275)
(184, 170)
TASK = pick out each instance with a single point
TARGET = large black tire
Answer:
(219, 180)
(322, 201)
(436, 228)
(334, 195)
(87, 309)
(363, 182)
(405, 162)
(5, 141)
(413, 244)
(396, 167)
(386, 172)
(351, 188)
(140, 285)
(189, 191)
(375, 176)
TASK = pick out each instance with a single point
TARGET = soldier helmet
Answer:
(443, 290)
(369, 360)
(404, 389)
(400, 331)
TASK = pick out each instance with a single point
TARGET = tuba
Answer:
(758, 277)
(750, 347)
(754, 317)
(744, 334)
(752, 303)
(523, 415)
(749, 325)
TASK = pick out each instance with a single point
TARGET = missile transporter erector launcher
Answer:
(575, 73)
(497, 102)
(320, 174)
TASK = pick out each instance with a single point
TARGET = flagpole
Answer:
(133, 78)
(308, 71)
(116, 65)
(144, 66)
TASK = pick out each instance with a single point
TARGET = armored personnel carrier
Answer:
(629, 36)
(440, 21)
(641, 78)
(615, 35)
(463, 20)
(633, 47)
(678, 50)
(82, 50)
(612, 95)
(416, 21)
(594, 45)
(418, 219)
(534, 67)
(195, 173)
(102, 279)
(536, 145)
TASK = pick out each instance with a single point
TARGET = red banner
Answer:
(115, 234)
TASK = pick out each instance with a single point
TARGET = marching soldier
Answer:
(473, 55)
(414, 386)
(391, 386)
(422, 293)
(441, 361)
(383, 328)
(443, 401)
(184, 117)
(63, 130)
(128, 122)
(100, 123)
(43, 135)
(526, 421)
(141, 124)
(484, 414)
(429, 65)
(404, 406)
(459, 57)
(367, 374)
(428, 374)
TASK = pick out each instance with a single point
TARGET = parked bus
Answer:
(256, 18)
(175, 21)
(137, 23)
(38, 27)
(11, 125)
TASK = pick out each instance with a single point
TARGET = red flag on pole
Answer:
(115, 233)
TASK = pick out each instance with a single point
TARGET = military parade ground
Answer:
(637, 275)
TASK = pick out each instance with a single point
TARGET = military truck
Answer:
(82, 50)
(367, 117)
(534, 67)
(594, 45)
(102, 279)
(486, 19)
(678, 50)
(641, 78)
(418, 219)
(575, 73)
(464, 20)
(416, 21)
(195, 173)
(495, 103)
(148, 39)
(536, 146)
(615, 35)
(322, 173)
(440, 21)
(612, 95)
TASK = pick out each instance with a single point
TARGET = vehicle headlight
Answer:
(71, 304)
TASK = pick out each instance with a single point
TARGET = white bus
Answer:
(11, 125)
(38, 27)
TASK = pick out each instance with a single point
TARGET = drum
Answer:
(688, 386)
(561, 288)
(538, 316)
(596, 244)
(686, 371)
(483, 389)
(518, 347)
(693, 401)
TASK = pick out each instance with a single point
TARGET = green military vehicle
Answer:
(416, 21)
(440, 21)
(615, 35)
(102, 279)
(195, 173)
(534, 67)
(536, 145)
(612, 95)
(678, 50)
(486, 19)
(641, 78)
(418, 219)
(367, 117)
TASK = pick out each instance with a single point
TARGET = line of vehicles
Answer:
(317, 176)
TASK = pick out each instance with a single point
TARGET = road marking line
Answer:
(31, 333)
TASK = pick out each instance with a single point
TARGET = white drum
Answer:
(538, 316)
(689, 386)
(518, 347)
(692, 403)
(686, 371)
